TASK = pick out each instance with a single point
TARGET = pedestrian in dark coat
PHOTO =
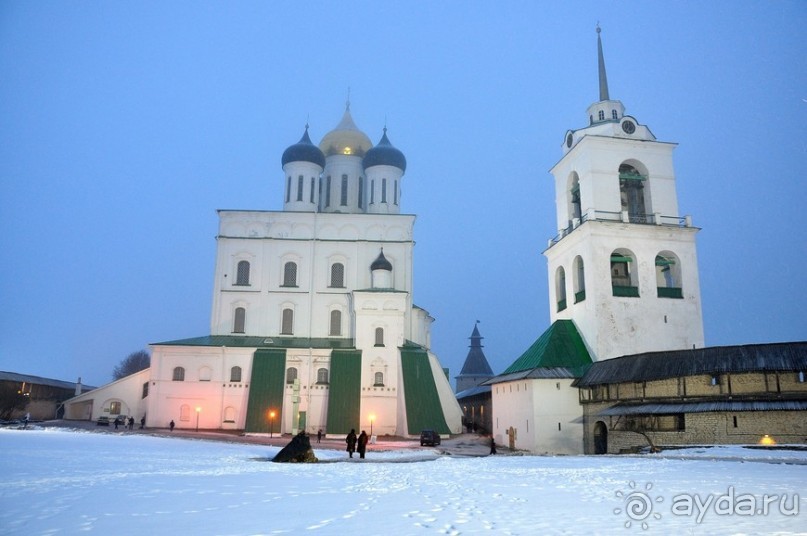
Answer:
(171, 425)
(492, 445)
(362, 443)
(131, 423)
(319, 435)
(351, 442)
(142, 422)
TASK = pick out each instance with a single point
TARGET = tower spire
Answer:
(601, 65)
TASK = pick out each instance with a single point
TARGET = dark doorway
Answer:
(600, 438)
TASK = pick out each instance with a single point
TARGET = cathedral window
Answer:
(668, 276)
(235, 374)
(337, 275)
(379, 336)
(179, 374)
(343, 199)
(395, 192)
(145, 392)
(287, 322)
(239, 320)
(300, 188)
(361, 191)
(328, 191)
(114, 408)
(383, 190)
(378, 380)
(291, 375)
(288, 188)
(560, 288)
(623, 282)
(336, 323)
(579, 275)
(322, 376)
(242, 273)
(311, 193)
(601, 115)
(290, 274)
(229, 414)
(614, 115)
(372, 191)
(205, 374)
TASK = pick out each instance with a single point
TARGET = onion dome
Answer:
(346, 138)
(384, 154)
(303, 151)
(381, 263)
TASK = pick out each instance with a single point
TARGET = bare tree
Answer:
(134, 362)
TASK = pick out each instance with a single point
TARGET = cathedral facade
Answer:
(313, 325)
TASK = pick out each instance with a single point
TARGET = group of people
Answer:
(356, 443)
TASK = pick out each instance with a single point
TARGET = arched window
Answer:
(288, 189)
(379, 336)
(322, 376)
(372, 191)
(328, 192)
(235, 374)
(623, 277)
(290, 274)
(343, 197)
(291, 374)
(239, 320)
(179, 374)
(378, 381)
(631, 190)
(361, 191)
(574, 194)
(614, 115)
(229, 414)
(601, 115)
(395, 193)
(205, 374)
(287, 322)
(337, 275)
(560, 288)
(383, 190)
(311, 193)
(300, 188)
(336, 323)
(579, 275)
(242, 273)
(114, 407)
(668, 276)
(184, 412)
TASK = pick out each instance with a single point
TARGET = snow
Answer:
(62, 481)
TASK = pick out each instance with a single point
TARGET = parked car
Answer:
(102, 421)
(429, 437)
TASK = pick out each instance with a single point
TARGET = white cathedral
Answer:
(313, 326)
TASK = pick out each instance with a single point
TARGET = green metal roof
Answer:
(260, 342)
(560, 346)
(424, 411)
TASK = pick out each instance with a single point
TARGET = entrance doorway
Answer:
(600, 438)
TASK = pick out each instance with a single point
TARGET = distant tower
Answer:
(476, 368)
(624, 265)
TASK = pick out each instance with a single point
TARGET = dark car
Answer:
(429, 437)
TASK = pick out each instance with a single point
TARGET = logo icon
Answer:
(638, 505)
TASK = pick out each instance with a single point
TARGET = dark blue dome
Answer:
(381, 263)
(303, 151)
(384, 154)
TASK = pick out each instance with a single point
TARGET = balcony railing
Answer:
(621, 217)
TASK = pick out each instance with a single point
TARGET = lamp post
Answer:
(198, 411)
(271, 422)
(372, 418)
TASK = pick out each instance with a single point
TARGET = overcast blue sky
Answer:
(124, 126)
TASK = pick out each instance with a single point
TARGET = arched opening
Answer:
(291, 374)
(287, 322)
(337, 275)
(668, 276)
(378, 381)
(242, 273)
(379, 336)
(623, 274)
(579, 279)
(600, 438)
(290, 274)
(178, 375)
(560, 288)
(322, 376)
(235, 374)
(631, 190)
(575, 210)
(239, 320)
(336, 323)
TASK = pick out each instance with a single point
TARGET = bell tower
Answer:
(623, 265)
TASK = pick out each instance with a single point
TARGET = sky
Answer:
(128, 483)
(125, 126)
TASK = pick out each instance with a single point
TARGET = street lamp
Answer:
(271, 422)
(198, 411)
(372, 418)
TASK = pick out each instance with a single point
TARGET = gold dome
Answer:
(346, 138)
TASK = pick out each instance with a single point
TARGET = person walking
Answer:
(131, 423)
(492, 445)
(319, 435)
(171, 425)
(362, 444)
(142, 422)
(351, 442)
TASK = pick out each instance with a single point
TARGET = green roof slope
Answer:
(560, 346)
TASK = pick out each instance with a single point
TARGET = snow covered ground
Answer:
(57, 481)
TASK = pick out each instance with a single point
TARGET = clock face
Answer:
(629, 127)
(569, 140)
